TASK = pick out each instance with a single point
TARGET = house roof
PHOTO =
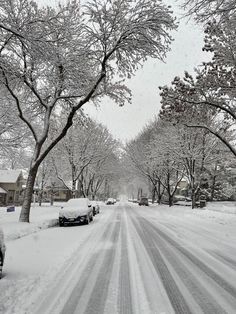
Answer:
(2, 191)
(9, 176)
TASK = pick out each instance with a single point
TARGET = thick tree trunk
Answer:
(170, 200)
(25, 211)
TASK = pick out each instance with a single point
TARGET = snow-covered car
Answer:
(76, 210)
(110, 201)
(2, 251)
(95, 207)
(143, 201)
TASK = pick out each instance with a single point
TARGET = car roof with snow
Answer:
(77, 202)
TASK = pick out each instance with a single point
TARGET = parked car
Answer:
(110, 201)
(143, 201)
(95, 207)
(2, 251)
(76, 210)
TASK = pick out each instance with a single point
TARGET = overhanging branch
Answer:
(219, 136)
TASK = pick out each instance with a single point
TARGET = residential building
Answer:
(11, 182)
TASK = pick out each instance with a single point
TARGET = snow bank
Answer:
(224, 207)
(42, 217)
(32, 263)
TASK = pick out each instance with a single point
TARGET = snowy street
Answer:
(118, 157)
(130, 259)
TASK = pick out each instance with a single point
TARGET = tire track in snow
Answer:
(176, 298)
(97, 300)
(206, 302)
(96, 260)
(124, 296)
(201, 265)
(224, 259)
(202, 233)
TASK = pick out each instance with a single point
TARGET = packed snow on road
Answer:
(130, 259)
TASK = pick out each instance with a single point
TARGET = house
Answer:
(182, 187)
(11, 182)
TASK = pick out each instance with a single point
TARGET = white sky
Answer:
(186, 53)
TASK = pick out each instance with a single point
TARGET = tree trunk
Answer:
(25, 211)
(170, 200)
(159, 194)
(193, 198)
(153, 193)
(52, 198)
(40, 197)
(213, 187)
(73, 190)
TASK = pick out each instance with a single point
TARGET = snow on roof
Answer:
(9, 176)
(2, 191)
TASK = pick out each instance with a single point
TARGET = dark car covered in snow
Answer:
(76, 210)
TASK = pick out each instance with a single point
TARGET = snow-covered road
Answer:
(131, 259)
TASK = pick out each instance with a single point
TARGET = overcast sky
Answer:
(186, 53)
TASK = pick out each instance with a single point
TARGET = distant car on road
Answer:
(95, 207)
(143, 201)
(76, 210)
(2, 251)
(110, 201)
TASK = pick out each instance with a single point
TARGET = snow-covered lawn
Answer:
(41, 217)
(36, 254)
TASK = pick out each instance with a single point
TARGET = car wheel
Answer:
(61, 223)
(91, 219)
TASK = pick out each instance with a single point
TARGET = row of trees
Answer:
(165, 154)
(57, 59)
(194, 136)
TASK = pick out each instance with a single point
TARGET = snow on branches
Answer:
(57, 59)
